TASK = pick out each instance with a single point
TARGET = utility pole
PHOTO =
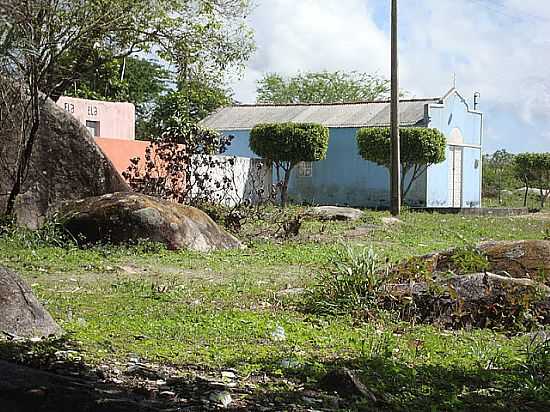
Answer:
(394, 118)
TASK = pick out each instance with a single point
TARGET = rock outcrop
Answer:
(20, 312)
(129, 217)
(494, 284)
(517, 258)
(65, 164)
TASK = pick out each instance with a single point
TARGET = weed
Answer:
(353, 285)
(468, 260)
(51, 233)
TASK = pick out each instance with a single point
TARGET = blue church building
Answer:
(344, 177)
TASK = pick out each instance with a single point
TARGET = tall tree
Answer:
(499, 173)
(534, 171)
(321, 87)
(45, 45)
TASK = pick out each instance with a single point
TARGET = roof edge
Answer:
(430, 99)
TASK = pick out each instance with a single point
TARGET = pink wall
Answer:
(114, 120)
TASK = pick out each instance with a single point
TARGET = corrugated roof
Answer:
(364, 114)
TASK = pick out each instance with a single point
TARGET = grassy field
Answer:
(219, 310)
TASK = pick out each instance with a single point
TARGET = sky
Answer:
(499, 48)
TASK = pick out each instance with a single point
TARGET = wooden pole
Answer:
(394, 118)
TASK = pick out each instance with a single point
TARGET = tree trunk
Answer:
(543, 197)
(525, 195)
(284, 187)
(25, 152)
(405, 191)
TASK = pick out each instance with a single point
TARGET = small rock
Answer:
(278, 335)
(290, 292)
(223, 398)
(142, 371)
(335, 213)
(391, 220)
(228, 375)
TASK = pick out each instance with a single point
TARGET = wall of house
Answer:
(462, 129)
(120, 151)
(343, 178)
(103, 119)
(249, 180)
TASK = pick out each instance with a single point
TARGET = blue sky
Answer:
(499, 48)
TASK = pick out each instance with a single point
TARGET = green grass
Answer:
(218, 310)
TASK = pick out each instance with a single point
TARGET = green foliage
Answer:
(468, 259)
(287, 144)
(191, 104)
(321, 87)
(352, 286)
(420, 148)
(499, 174)
(533, 169)
(199, 38)
(51, 233)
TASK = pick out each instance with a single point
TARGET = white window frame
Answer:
(305, 169)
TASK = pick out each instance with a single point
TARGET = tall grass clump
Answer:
(351, 286)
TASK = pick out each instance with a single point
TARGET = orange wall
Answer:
(120, 151)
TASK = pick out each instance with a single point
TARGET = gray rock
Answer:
(128, 217)
(20, 312)
(66, 164)
(335, 213)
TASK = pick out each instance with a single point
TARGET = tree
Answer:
(34, 37)
(288, 144)
(498, 173)
(46, 45)
(321, 87)
(192, 105)
(420, 148)
(533, 169)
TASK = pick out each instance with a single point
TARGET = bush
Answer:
(181, 166)
(420, 148)
(352, 286)
(287, 144)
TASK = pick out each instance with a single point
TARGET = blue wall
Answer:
(455, 115)
(343, 178)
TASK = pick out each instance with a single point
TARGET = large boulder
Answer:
(20, 312)
(65, 164)
(127, 217)
(334, 213)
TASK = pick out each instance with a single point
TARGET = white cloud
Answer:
(314, 35)
(497, 47)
